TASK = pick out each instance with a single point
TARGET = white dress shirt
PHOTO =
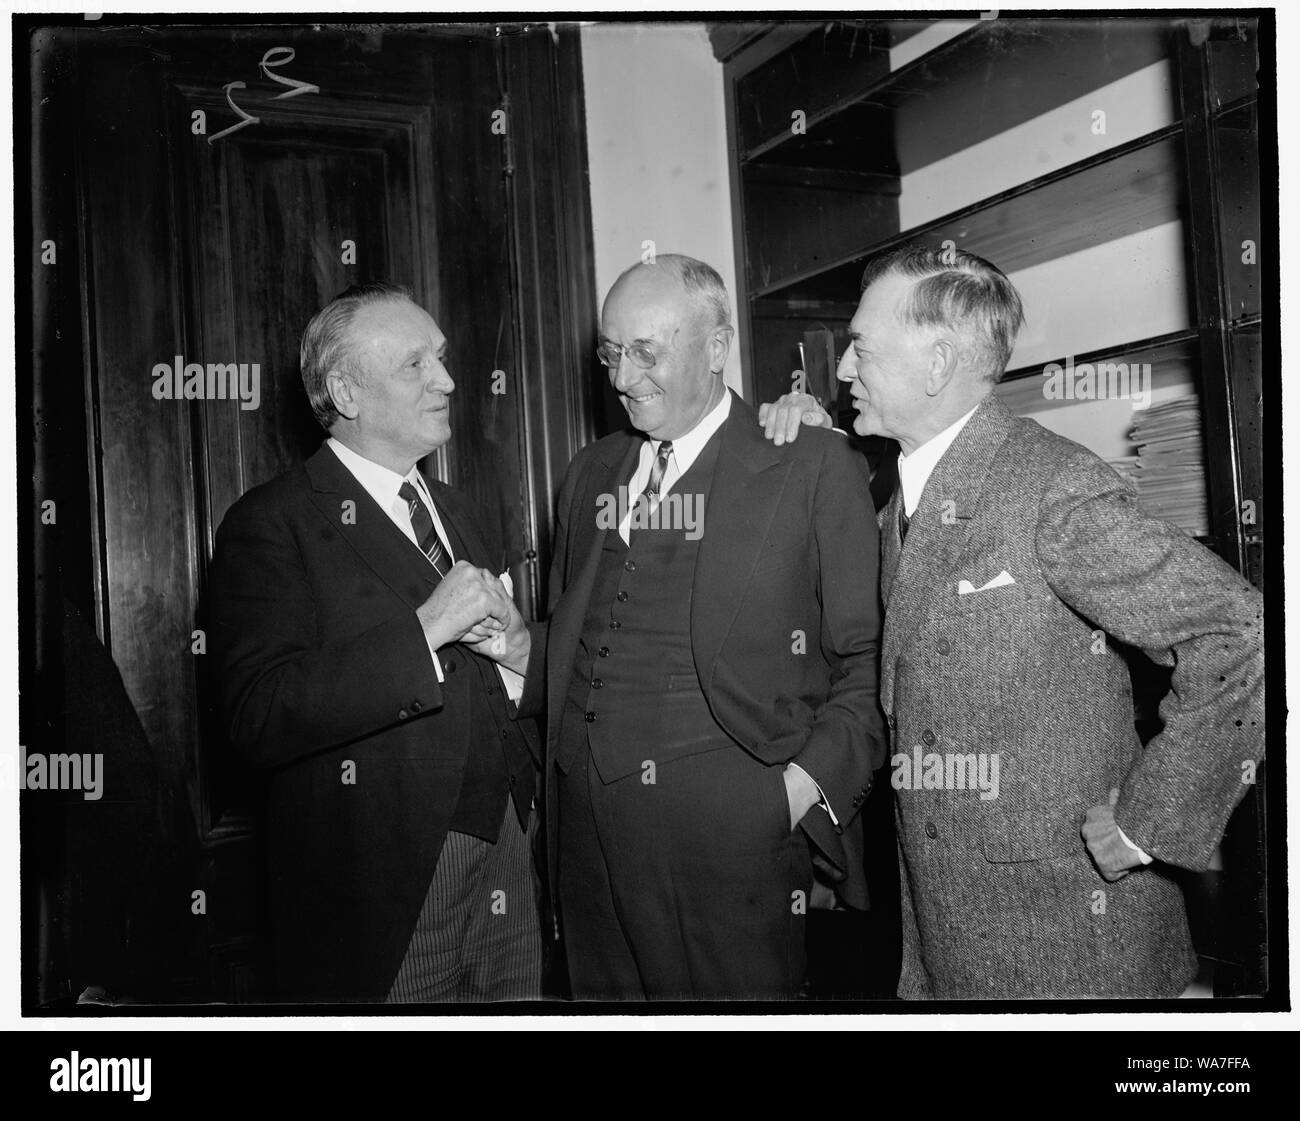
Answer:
(914, 472)
(383, 486)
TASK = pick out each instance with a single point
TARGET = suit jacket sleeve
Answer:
(285, 693)
(1149, 585)
(847, 742)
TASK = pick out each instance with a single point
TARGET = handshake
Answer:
(473, 607)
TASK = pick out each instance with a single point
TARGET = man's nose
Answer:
(440, 381)
(625, 375)
(847, 370)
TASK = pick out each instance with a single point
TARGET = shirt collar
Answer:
(378, 481)
(687, 448)
(914, 470)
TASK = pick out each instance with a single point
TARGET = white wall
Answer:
(657, 146)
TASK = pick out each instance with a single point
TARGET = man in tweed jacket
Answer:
(1034, 830)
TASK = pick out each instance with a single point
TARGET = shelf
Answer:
(990, 78)
(1240, 114)
(1160, 350)
(1123, 191)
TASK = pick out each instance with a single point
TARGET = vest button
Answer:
(943, 646)
(931, 830)
(621, 597)
(596, 683)
(927, 738)
(505, 733)
(589, 717)
(416, 706)
(630, 566)
(402, 714)
(614, 624)
(603, 651)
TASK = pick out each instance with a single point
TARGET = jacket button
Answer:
(943, 647)
(614, 624)
(603, 651)
(449, 665)
(630, 565)
(589, 717)
(402, 714)
(927, 738)
(596, 683)
(416, 706)
(505, 733)
(931, 830)
(621, 597)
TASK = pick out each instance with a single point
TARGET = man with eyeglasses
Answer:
(710, 681)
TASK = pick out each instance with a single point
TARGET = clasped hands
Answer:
(473, 607)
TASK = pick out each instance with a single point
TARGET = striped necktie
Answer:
(425, 535)
(657, 472)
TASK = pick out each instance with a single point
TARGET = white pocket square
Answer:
(1001, 580)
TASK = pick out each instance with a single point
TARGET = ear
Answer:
(720, 347)
(945, 359)
(342, 389)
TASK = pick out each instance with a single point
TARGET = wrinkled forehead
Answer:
(645, 304)
(394, 325)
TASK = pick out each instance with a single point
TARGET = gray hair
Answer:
(325, 343)
(700, 281)
(960, 291)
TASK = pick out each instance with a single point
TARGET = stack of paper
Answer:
(1169, 469)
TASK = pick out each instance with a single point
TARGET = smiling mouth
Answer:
(642, 399)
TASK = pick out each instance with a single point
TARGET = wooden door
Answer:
(229, 181)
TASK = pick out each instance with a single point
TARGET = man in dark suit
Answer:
(352, 600)
(710, 666)
(1034, 830)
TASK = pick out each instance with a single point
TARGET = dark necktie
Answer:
(903, 522)
(658, 470)
(425, 535)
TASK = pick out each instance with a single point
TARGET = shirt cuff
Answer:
(437, 665)
(820, 794)
(512, 682)
(1141, 855)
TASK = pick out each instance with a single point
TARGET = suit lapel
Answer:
(743, 500)
(368, 528)
(939, 528)
(891, 546)
(466, 542)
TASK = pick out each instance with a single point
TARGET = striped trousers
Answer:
(478, 937)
